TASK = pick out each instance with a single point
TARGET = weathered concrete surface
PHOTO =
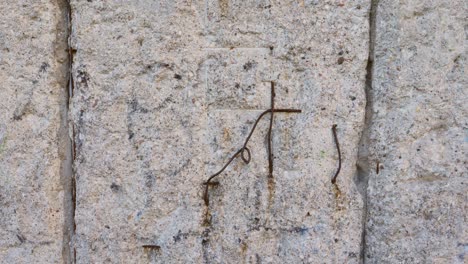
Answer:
(34, 178)
(166, 91)
(417, 202)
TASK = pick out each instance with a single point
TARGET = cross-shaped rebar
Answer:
(244, 150)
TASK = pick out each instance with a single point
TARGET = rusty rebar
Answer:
(339, 153)
(270, 154)
(244, 150)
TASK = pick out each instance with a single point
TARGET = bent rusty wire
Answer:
(245, 149)
(339, 153)
(270, 154)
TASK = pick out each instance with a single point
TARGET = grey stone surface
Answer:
(34, 175)
(417, 134)
(166, 91)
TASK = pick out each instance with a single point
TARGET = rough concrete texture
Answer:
(166, 91)
(34, 163)
(417, 134)
(163, 93)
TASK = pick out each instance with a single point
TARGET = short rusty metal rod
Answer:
(270, 153)
(339, 153)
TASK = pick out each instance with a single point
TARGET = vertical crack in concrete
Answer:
(364, 163)
(72, 151)
(67, 148)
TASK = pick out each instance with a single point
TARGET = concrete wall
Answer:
(115, 113)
